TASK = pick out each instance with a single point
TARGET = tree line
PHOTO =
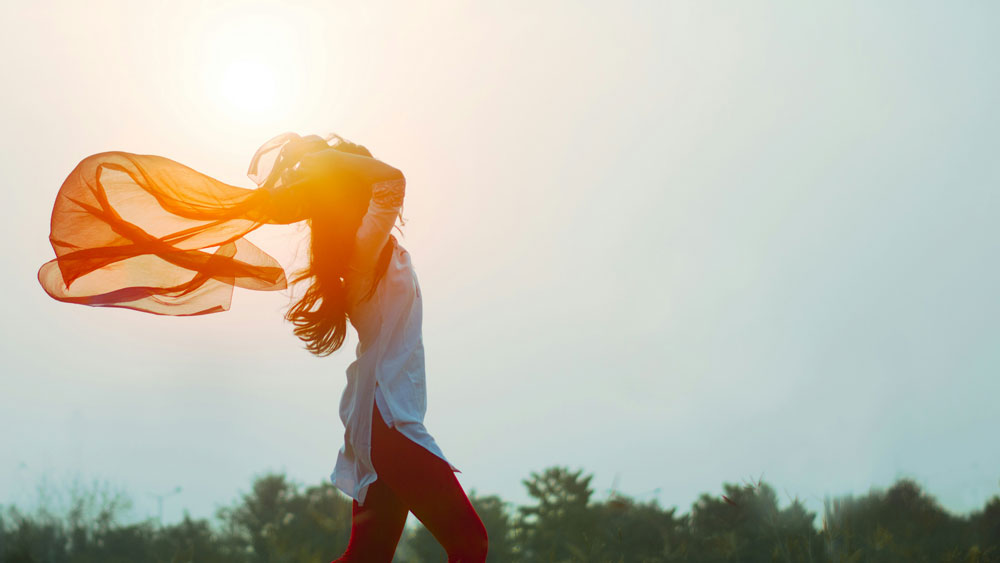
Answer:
(279, 521)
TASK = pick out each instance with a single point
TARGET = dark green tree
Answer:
(24, 538)
(195, 540)
(560, 525)
(493, 511)
(901, 524)
(745, 525)
(629, 531)
(985, 529)
(277, 524)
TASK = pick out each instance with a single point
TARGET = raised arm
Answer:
(324, 172)
(388, 186)
(318, 179)
(384, 207)
(340, 166)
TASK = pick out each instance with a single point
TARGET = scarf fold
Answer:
(147, 233)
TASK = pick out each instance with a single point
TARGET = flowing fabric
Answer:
(147, 233)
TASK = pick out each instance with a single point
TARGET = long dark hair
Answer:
(320, 316)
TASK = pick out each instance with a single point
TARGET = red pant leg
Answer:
(377, 526)
(427, 486)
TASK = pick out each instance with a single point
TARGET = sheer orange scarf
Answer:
(147, 233)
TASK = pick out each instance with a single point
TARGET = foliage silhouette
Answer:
(276, 521)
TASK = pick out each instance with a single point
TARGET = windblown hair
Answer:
(320, 316)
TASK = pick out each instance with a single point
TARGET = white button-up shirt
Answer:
(390, 353)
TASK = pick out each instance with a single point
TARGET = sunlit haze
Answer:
(674, 244)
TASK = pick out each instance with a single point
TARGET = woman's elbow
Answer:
(393, 173)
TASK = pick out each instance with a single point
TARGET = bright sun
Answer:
(250, 62)
(248, 85)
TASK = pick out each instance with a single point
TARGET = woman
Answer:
(153, 258)
(389, 464)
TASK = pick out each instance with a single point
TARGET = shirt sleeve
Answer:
(383, 209)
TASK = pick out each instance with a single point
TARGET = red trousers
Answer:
(412, 479)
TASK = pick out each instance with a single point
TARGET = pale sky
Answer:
(676, 244)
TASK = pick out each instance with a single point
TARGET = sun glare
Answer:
(251, 64)
(250, 86)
